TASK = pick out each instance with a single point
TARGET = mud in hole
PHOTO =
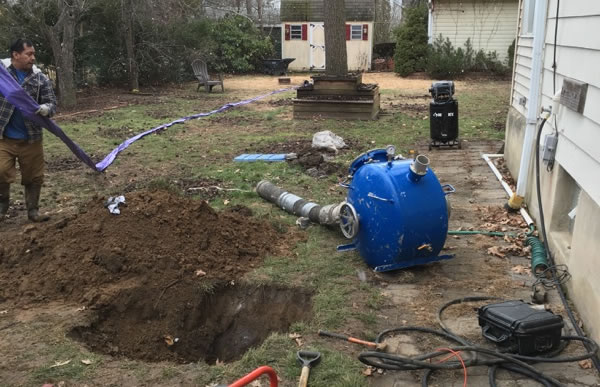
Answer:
(186, 323)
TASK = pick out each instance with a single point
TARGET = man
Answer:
(21, 139)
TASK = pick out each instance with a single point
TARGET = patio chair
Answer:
(201, 73)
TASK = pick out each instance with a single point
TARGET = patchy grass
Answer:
(203, 149)
(76, 370)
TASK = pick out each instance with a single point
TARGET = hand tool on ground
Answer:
(254, 375)
(370, 344)
(307, 359)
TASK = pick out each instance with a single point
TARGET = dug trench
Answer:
(161, 281)
(190, 324)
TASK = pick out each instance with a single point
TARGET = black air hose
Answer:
(545, 239)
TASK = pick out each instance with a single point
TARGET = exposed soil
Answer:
(118, 133)
(186, 323)
(63, 164)
(316, 162)
(86, 258)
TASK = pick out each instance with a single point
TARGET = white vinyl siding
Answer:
(577, 153)
(523, 62)
(491, 26)
(577, 57)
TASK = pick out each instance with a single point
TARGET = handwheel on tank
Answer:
(348, 220)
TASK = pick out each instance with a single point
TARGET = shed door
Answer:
(316, 40)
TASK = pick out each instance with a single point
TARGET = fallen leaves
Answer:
(496, 218)
(495, 251)
(520, 269)
(514, 249)
(586, 364)
(170, 340)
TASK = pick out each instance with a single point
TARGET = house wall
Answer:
(359, 52)
(491, 26)
(574, 181)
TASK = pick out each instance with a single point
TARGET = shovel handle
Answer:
(304, 376)
(348, 338)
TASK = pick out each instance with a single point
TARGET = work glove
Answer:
(44, 110)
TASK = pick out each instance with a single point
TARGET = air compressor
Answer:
(443, 116)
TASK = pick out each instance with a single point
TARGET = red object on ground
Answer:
(257, 373)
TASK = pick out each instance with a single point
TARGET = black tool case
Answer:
(520, 327)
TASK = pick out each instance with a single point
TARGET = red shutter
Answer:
(304, 32)
(365, 32)
(347, 31)
(287, 32)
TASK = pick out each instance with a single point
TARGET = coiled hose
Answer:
(479, 356)
(556, 276)
(539, 260)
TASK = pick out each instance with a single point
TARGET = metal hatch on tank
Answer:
(396, 211)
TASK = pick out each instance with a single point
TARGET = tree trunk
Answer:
(249, 8)
(62, 49)
(127, 13)
(259, 13)
(336, 59)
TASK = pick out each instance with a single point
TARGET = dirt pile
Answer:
(315, 162)
(158, 238)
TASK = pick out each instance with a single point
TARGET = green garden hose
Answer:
(539, 258)
(489, 233)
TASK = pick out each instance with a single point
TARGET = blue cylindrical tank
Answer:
(401, 210)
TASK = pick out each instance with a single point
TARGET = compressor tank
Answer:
(400, 210)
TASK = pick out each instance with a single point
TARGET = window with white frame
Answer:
(296, 32)
(355, 32)
(528, 16)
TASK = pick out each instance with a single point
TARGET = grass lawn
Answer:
(199, 153)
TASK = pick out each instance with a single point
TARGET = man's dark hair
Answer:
(19, 45)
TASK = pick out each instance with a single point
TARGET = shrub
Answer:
(238, 45)
(411, 42)
(445, 61)
(511, 55)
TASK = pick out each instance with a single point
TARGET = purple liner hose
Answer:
(15, 94)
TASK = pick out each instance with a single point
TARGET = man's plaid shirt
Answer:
(38, 86)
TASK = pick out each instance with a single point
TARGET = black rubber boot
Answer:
(32, 199)
(4, 199)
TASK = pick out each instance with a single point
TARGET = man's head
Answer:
(22, 54)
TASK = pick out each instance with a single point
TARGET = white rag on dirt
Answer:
(113, 204)
(328, 140)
